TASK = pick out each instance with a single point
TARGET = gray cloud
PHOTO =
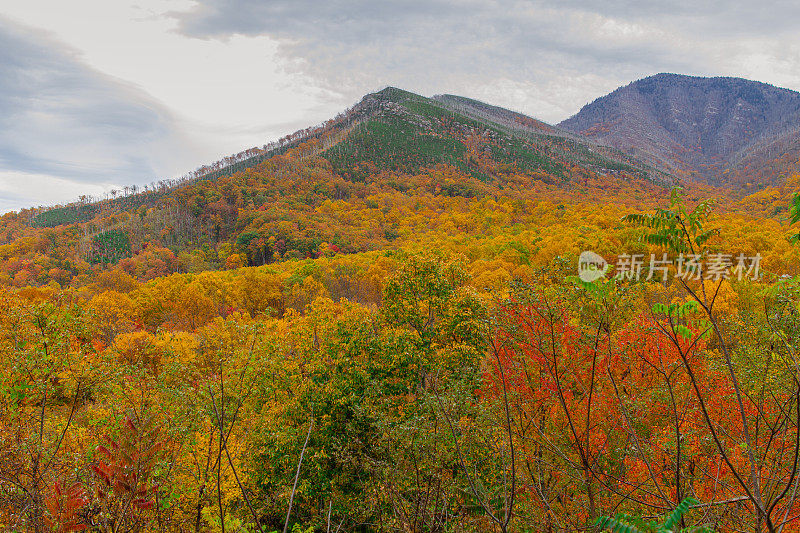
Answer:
(544, 57)
(59, 117)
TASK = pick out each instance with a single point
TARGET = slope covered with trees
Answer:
(340, 187)
(379, 327)
(717, 130)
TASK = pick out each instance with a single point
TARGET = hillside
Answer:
(314, 190)
(716, 130)
(407, 132)
(375, 325)
(398, 131)
(341, 187)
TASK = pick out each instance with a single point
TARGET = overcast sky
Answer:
(96, 94)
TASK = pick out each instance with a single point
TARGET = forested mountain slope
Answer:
(728, 131)
(320, 188)
(378, 325)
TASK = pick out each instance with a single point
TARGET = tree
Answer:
(767, 421)
(124, 487)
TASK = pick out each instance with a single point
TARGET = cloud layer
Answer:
(60, 118)
(544, 57)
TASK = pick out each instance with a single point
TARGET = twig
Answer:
(297, 476)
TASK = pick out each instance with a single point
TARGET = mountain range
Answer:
(733, 133)
(398, 166)
(722, 131)
(730, 132)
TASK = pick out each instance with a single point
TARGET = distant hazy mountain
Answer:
(719, 130)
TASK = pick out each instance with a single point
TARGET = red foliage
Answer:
(63, 505)
(128, 463)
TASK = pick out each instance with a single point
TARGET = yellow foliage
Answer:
(234, 261)
(138, 348)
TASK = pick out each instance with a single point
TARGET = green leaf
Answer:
(683, 331)
(675, 516)
(616, 525)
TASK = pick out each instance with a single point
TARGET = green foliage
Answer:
(624, 523)
(256, 247)
(683, 316)
(676, 310)
(84, 212)
(794, 214)
(392, 143)
(522, 154)
(109, 247)
(429, 297)
(70, 214)
(677, 228)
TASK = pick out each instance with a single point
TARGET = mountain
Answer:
(722, 131)
(394, 170)
(390, 172)
(402, 131)
(396, 131)
(716, 130)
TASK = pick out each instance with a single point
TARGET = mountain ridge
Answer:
(397, 130)
(388, 171)
(727, 131)
(697, 127)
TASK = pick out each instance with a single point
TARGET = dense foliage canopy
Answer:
(332, 340)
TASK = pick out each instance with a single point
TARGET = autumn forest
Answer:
(381, 324)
